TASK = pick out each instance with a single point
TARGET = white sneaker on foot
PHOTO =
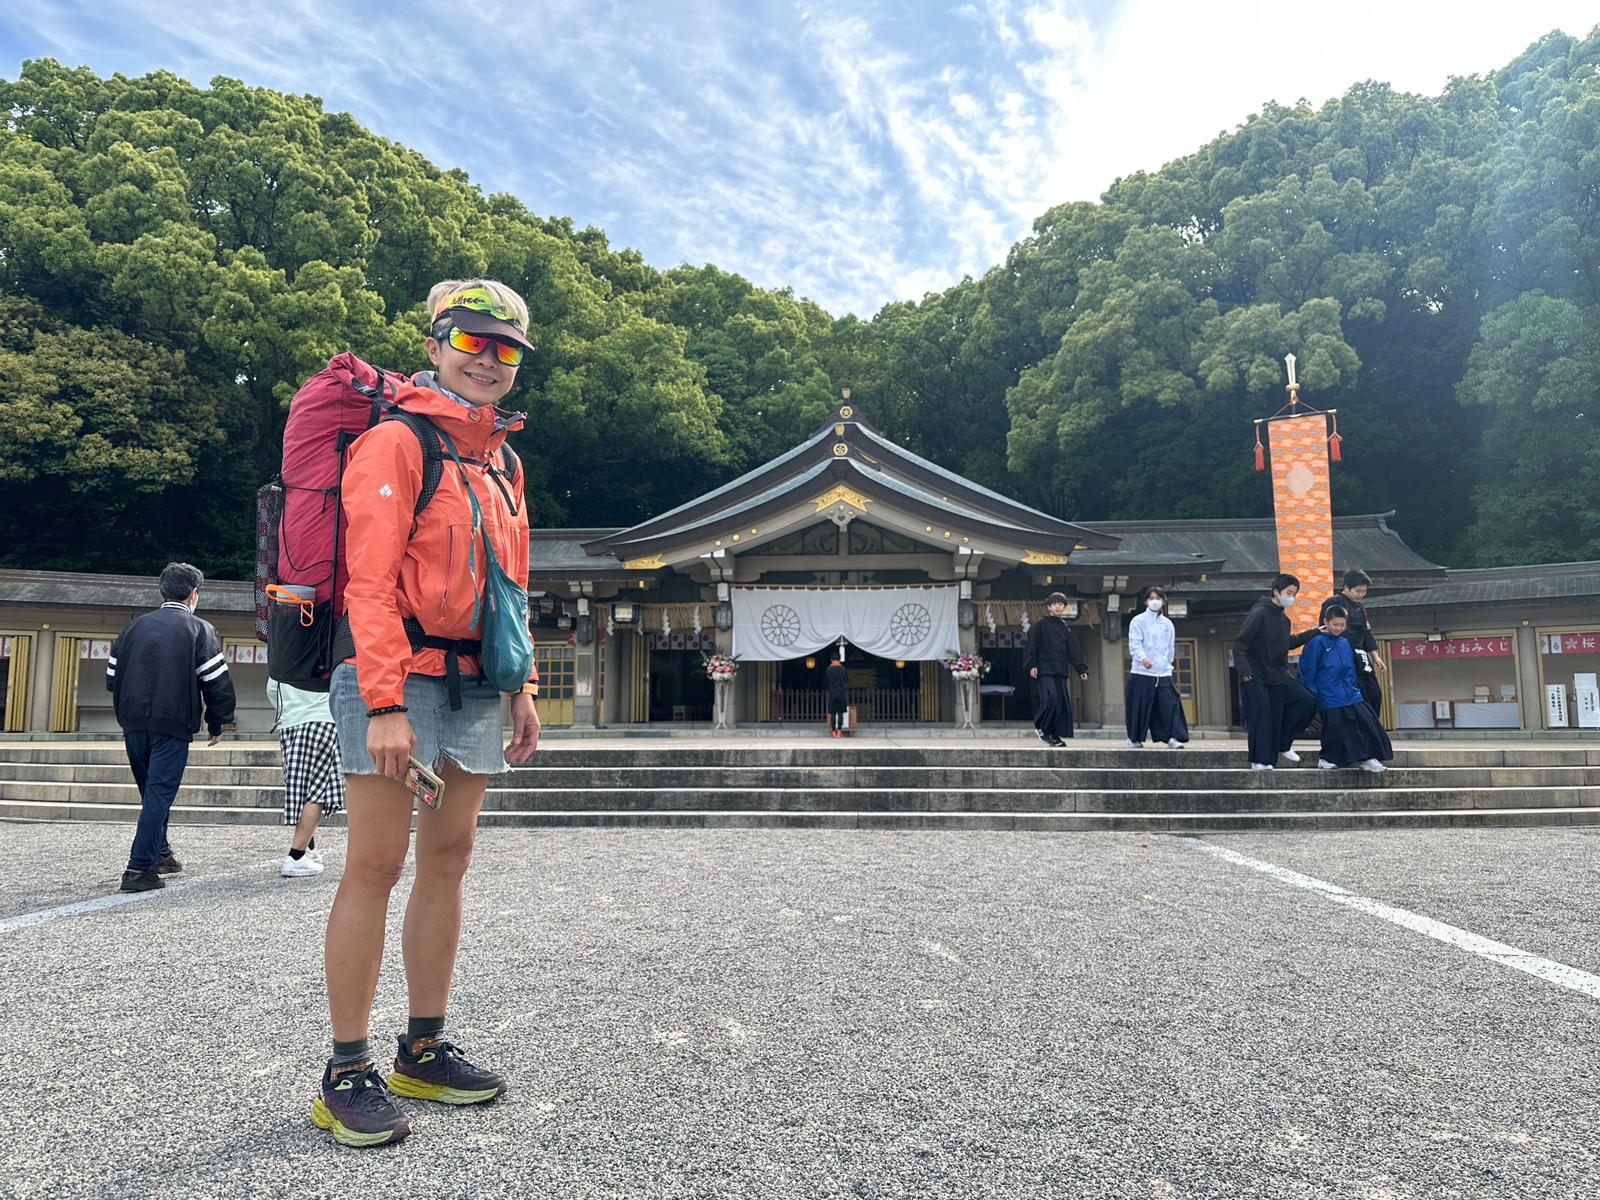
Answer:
(1261, 766)
(1373, 765)
(1135, 745)
(1291, 756)
(1174, 744)
(1324, 765)
(294, 868)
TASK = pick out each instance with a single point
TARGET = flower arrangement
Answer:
(966, 667)
(720, 668)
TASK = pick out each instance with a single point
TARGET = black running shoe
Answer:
(1055, 742)
(356, 1109)
(438, 1072)
(1043, 736)
(142, 881)
(169, 865)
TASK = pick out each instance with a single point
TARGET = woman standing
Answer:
(415, 590)
(838, 698)
(1358, 632)
(1154, 707)
(1351, 735)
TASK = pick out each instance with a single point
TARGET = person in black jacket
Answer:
(1277, 707)
(1359, 634)
(1051, 652)
(838, 700)
(161, 667)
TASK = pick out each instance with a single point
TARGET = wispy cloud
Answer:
(858, 151)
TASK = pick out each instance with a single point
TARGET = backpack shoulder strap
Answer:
(427, 435)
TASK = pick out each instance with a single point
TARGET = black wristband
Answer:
(384, 712)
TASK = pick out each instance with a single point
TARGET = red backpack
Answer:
(300, 523)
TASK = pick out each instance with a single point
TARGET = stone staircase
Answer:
(851, 785)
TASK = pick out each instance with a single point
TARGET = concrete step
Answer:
(1059, 822)
(1348, 796)
(1047, 774)
(830, 753)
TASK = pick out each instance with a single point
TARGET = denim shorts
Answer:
(472, 738)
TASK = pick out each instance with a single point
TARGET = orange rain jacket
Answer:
(438, 574)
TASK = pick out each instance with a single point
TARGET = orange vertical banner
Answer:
(1303, 503)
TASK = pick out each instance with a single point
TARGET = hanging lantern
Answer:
(899, 664)
(811, 664)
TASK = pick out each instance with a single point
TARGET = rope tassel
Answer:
(1261, 452)
(1335, 454)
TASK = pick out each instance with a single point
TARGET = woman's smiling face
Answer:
(478, 379)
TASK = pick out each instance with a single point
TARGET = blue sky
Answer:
(859, 152)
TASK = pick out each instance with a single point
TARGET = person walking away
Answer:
(1358, 632)
(1155, 710)
(313, 783)
(1276, 707)
(1050, 653)
(163, 667)
(1351, 733)
(414, 688)
(838, 699)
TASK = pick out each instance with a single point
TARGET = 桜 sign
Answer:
(1570, 643)
(1487, 647)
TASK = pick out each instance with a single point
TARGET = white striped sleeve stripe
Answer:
(204, 670)
(222, 669)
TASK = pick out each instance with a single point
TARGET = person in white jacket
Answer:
(1154, 708)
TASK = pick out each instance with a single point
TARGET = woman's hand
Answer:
(390, 741)
(524, 729)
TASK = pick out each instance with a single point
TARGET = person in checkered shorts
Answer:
(313, 783)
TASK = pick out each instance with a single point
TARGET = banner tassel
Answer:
(1261, 453)
(1335, 442)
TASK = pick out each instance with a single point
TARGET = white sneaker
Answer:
(1291, 756)
(1373, 765)
(1261, 766)
(1136, 745)
(1324, 765)
(1174, 744)
(294, 868)
(314, 854)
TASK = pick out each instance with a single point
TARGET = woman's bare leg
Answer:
(378, 813)
(433, 914)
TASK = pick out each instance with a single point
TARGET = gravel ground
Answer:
(779, 1014)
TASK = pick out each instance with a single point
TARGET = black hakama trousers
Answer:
(1155, 710)
(1352, 735)
(1054, 715)
(1274, 715)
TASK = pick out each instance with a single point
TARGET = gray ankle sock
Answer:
(418, 1028)
(347, 1054)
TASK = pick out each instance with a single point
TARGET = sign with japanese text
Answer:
(1466, 647)
(1569, 643)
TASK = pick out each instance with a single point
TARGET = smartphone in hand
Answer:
(425, 787)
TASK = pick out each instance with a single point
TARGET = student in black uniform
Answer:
(1051, 652)
(1277, 707)
(1358, 632)
(838, 699)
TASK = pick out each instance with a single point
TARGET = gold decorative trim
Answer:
(838, 430)
(840, 449)
(1039, 558)
(847, 412)
(844, 495)
(653, 563)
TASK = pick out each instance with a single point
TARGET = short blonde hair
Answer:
(503, 296)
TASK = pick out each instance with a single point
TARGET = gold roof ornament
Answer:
(653, 563)
(840, 449)
(1040, 558)
(841, 495)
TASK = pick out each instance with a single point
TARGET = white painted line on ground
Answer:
(1507, 956)
(45, 915)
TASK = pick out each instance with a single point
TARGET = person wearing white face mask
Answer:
(1277, 706)
(1155, 709)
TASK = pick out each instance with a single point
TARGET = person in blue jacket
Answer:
(1351, 734)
